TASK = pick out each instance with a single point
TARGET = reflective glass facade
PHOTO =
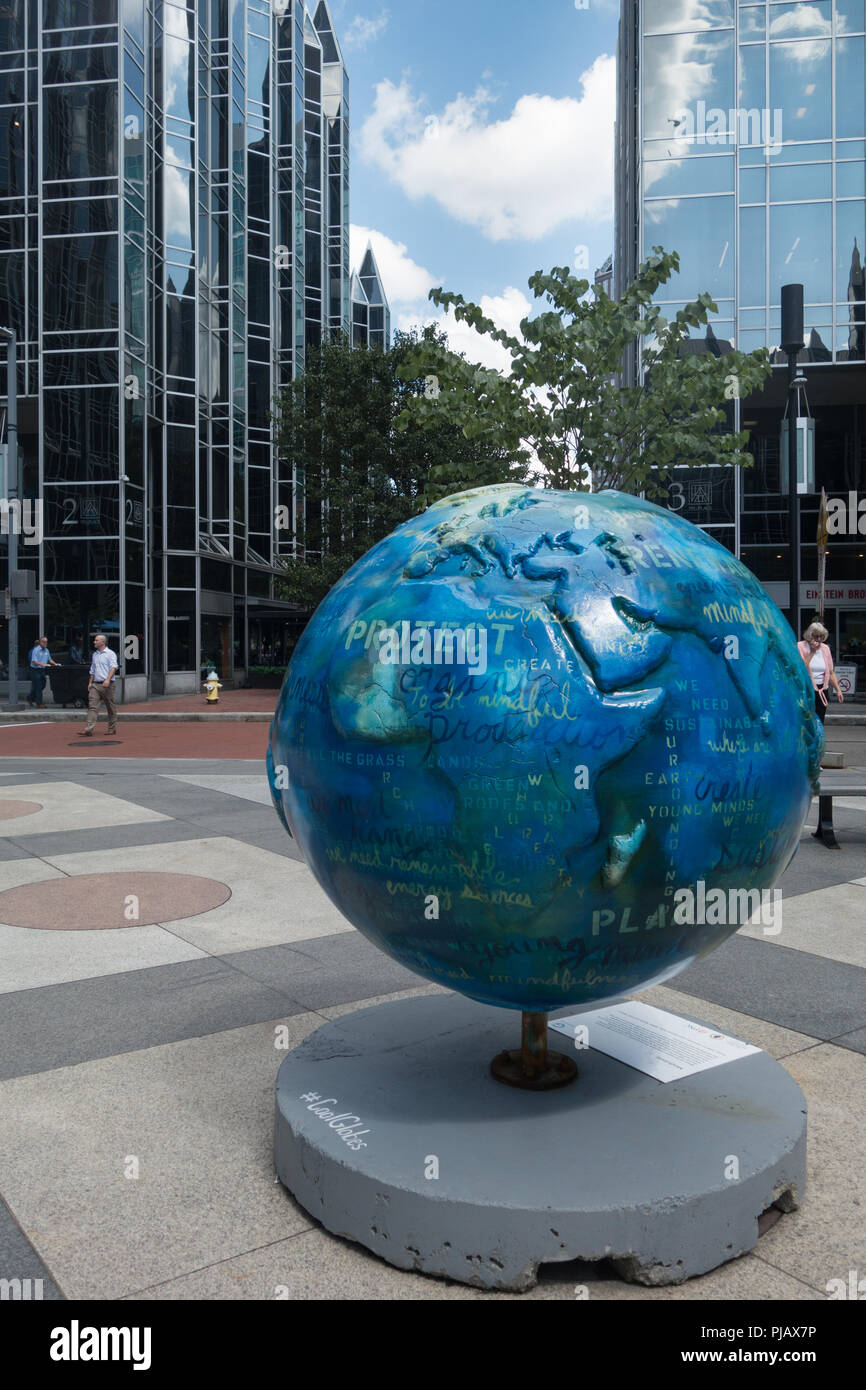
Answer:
(173, 233)
(741, 144)
(371, 316)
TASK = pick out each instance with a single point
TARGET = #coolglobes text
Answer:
(345, 1125)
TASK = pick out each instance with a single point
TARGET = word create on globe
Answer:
(525, 724)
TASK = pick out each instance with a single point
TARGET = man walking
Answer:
(40, 657)
(103, 669)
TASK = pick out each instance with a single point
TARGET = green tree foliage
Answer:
(562, 405)
(362, 476)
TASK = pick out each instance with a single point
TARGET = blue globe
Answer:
(546, 748)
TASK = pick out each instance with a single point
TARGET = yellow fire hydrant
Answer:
(213, 686)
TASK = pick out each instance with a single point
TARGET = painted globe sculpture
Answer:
(546, 748)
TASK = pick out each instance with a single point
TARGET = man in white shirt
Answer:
(103, 669)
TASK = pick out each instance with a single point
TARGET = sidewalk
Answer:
(248, 705)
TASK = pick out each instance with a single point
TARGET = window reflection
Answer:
(82, 272)
(851, 180)
(850, 244)
(179, 205)
(71, 14)
(799, 237)
(702, 231)
(681, 176)
(80, 138)
(81, 434)
(849, 16)
(752, 77)
(800, 181)
(800, 88)
(753, 255)
(850, 88)
(753, 185)
(752, 22)
(799, 21)
(663, 16)
(682, 70)
(179, 65)
(134, 289)
(258, 69)
(12, 151)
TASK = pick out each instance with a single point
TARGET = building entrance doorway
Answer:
(216, 646)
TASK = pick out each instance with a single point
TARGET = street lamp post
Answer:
(792, 344)
(13, 491)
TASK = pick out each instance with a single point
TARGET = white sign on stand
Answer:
(847, 678)
(653, 1041)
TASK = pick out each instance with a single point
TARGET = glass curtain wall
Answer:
(173, 232)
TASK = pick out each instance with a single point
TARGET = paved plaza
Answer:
(162, 943)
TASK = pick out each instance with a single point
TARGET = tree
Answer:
(563, 405)
(360, 476)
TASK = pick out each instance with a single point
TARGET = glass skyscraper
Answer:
(741, 144)
(174, 232)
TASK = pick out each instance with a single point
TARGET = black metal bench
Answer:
(843, 783)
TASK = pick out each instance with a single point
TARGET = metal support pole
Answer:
(533, 1068)
(793, 510)
(533, 1042)
(792, 343)
(14, 495)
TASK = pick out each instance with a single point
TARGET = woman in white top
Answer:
(816, 654)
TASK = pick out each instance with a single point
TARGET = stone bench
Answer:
(832, 784)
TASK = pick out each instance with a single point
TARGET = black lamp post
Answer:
(792, 344)
(14, 498)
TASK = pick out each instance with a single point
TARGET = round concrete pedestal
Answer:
(391, 1131)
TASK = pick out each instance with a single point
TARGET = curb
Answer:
(176, 716)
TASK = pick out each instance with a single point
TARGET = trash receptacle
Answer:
(69, 684)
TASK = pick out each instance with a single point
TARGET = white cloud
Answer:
(550, 161)
(362, 31)
(405, 281)
(407, 285)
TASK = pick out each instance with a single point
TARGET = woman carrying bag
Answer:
(816, 654)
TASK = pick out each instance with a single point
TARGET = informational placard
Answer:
(847, 678)
(653, 1041)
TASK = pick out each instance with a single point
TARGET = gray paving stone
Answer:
(106, 837)
(62, 1025)
(855, 1042)
(18, 1260)
(9, 849)
(326, 970)
(793, 989)
(814, 866)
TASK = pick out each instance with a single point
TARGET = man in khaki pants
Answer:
(103, 669)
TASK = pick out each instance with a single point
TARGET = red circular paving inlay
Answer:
(103, 902)
(10, 810)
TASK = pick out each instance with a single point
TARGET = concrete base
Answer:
(391, 1131)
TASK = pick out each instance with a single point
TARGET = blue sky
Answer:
(482, 146)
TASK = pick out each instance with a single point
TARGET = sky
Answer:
(481, 149)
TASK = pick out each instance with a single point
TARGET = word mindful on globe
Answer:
(716, 908)
(21, 518)
(77, 1343)
(345, 1126)
(716, 126)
